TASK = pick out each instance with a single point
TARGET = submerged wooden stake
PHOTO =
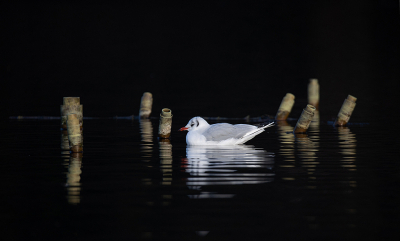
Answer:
(74, 133)
(285, 107)
(164, 128)
(145, 105)
(313, 93)
(305, 119)
(345, 112)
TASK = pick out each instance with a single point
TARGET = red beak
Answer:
(184, 129)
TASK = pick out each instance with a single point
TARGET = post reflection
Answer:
(307, 146)
(165, 149)
(73, 184)
(226, 165)
(64, 140)
(166, 161)
(307, 153)
(299, 151)
(347, 144)
(314, 133)
(286, 139)
(146, 130)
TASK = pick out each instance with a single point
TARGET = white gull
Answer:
(202, 133)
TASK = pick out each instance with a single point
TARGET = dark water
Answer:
(332, 184)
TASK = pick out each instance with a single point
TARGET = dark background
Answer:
(211, 59)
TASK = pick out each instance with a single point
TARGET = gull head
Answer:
(196, 123)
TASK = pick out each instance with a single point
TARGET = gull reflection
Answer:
(226, 165)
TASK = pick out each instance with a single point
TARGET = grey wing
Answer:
(243, 129)
(223, 131)
(219, 132)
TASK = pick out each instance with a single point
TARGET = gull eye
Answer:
(194, 123)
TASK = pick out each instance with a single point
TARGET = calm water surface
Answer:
(334, 183)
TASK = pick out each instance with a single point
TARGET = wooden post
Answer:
(305, 119)
(313, 93)
(345, 112)
(71, 105)
(145, 105)
(164, 128)
(285, 107)
(74, 133)
(71, 101)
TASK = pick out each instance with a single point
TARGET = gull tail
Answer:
(265, 125)
(261, 128)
